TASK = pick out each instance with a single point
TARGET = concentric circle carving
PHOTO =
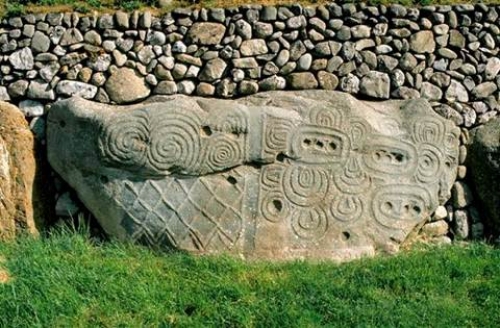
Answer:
(352, 180)
(347, 208)
(327, 117)
(304, 185)
(428, 130)
(274, 207)
(429, 163)
(310, 223)
(271, 176)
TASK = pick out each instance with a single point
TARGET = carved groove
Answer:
(310, 223)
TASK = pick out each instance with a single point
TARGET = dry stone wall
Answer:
(447, 54)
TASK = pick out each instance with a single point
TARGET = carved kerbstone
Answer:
(277, 175)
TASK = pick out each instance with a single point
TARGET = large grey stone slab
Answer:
(277, 175)
(484, 163)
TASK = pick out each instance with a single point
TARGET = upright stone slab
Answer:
(484, 162)
(277, 175)
(21, 203)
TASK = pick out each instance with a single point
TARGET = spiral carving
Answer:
(175, 142)
(156, 142)
(224, 153)
(310, 223)
(305, 186)
(126, 140)
(429, 163)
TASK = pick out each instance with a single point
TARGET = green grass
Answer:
(19, 7)
(66, 281)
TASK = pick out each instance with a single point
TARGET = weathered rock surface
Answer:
(125, 86)
(484, 163)
(19, 200)
(22, 59)
(206, 33)
(277, 175)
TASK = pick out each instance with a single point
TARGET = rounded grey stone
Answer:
(272, 83)
(40, 42)
(76, 88)
(423, 42)
(460, 224)
(213, 70)
(100, 63)
(296, 22)
(38, 89)
(244, 29)
(430, 91)
(166, 88)
(17, 88)
(22, 59)
(71, 36)
(31, 108)
(327, 81)
(122, 20)
(205, 89)
(484, 90)
(253, 47)
(248, 87)
(442, 80)
(283, 58)
(350, 84)
(146, 55)
(456, 92)
(157, 38)
(360, 31)
(492, 68)
(263, 30)
(304, 62)
(125, 86)
(93, 38)
(343, 34)
(376, 85)
(179, 47)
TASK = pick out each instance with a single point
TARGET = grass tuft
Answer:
(66, 280)
(19, 7)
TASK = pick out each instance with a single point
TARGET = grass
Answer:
(66, 281)
(19, 7)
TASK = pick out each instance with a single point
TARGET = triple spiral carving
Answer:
(158, 143)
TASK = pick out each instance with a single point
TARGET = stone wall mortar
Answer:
(447, 54)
